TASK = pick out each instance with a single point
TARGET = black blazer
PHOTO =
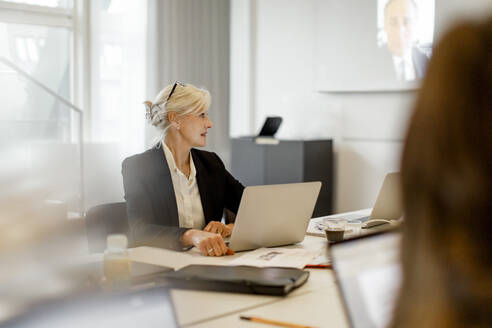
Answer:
(151, 202)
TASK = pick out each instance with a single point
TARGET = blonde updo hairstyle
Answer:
(186, 99)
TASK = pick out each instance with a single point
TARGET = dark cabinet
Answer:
(289, 161)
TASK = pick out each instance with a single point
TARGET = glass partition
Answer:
(41, 173)
(39, 131)
(40, 188)
(40, 142)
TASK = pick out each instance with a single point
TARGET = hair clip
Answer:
(174, 88)
(148, 110)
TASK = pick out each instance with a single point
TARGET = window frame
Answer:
(76, 20)
(19, 13)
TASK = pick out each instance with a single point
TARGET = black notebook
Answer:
(238, 279)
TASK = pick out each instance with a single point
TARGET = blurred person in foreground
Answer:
(176, 194)
(447, 188)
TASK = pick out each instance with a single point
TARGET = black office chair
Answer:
(103, 220)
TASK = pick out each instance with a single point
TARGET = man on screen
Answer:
(400, 19)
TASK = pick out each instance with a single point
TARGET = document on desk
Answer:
(292, 256)
(317, 225)
(277, 257)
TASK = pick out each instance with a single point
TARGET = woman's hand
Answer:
(209, 244)
(220, 228)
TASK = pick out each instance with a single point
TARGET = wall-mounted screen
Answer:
(405, 31)
(372, 45)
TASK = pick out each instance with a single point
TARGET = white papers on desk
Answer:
(323, 258)
(317, 228)
(296, 256)
(277, 257)
(317, 225)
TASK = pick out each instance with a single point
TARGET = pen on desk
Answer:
(273, 322)
(317, 266)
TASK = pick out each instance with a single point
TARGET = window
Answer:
(41, 38)
(40, 138)
(37, 37)
(118, 42)
(46, 3)
(44, 52)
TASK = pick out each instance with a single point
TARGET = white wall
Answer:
(368, 128)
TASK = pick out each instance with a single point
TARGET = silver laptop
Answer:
(145, 307)
(273, 215)
(368, 275)
(388, 206)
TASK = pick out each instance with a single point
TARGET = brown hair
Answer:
(446, 174)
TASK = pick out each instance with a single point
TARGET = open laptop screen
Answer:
(142, 308)
(369, 274)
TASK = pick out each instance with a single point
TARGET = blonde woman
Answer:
(175, 193)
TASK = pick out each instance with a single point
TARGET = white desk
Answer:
(316, 303)
(318, 308)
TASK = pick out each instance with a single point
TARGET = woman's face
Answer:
(193, 128)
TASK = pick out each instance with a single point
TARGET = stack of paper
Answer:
(277, 257)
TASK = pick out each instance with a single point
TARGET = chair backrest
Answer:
(103, 220)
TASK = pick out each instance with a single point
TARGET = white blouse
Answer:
(190, 211)
(404, 67)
